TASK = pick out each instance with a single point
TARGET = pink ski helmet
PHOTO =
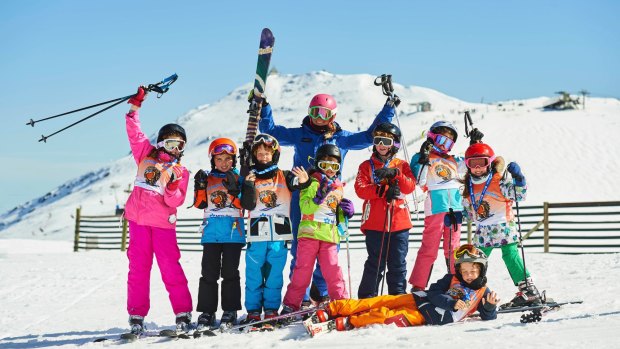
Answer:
(324, 106)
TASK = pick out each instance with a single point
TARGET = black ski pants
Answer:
(220, 259)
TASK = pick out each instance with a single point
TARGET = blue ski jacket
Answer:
(306, 140)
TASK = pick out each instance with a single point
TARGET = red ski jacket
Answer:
(375, 207)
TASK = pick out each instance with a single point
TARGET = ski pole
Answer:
(32, 122)
(346, 223)
(387, 214)
(452, 220)
(160, 88)
(387, 252)
(385, 81)
(514, 187)
(467, 119)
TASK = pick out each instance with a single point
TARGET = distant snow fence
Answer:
(569, 228)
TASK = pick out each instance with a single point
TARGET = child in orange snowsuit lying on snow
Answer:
(451, 299)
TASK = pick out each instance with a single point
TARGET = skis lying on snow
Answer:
(171, 334)
(285, 318)
(535, 312)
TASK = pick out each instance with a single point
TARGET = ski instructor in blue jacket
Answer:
(317, 128)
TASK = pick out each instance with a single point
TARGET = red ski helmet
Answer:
(479, 149)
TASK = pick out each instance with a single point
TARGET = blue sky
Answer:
(61, 55)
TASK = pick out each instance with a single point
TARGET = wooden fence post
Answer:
(76, 238)
(124, 236)
(546, 224)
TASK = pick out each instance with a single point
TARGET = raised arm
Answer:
(361, 140)
(285, 136)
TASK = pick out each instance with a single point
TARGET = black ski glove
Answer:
(393, 192)
(386, 172)
(231, 184)
(393, 102)
(475, 136)
(425, 151)
(200, 180)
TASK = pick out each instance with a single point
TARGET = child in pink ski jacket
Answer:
(159, 188)
(322, 207)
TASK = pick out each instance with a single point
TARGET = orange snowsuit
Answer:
(399, 309)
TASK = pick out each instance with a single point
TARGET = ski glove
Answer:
(231, 184)
(200, 180)
(475, 136)
(387, 173)
(321, 193)
(393, 102)
(393, 192)
(425, 151)
(138, 98)
(458, 218)
(175, 178)
(263, 99)
(347, 207)
(515, 171)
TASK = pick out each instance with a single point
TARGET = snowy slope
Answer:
(52, 297)
(557, 150)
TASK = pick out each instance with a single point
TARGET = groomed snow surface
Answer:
(51, 297)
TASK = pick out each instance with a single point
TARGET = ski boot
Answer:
(527, 295)
(269, 314)
(206, 321)
(229, 319)
(183, 321)
(343, 323)
(204, 325)
(288, 320)
(306, 304)
(136, 322)
(251, 317)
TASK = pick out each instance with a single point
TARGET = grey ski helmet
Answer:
(447, 125)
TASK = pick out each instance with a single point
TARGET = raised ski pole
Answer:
(385, 81)
(160, 88)
(467, 120)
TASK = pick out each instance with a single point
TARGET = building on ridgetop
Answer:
(564, 102)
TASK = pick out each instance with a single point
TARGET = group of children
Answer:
(307, 207)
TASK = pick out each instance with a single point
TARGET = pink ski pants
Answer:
(143, 243)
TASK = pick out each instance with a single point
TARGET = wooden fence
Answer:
(583, 227)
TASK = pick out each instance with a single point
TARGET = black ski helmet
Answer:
(388, 127)
(330, 150)
(169, 129)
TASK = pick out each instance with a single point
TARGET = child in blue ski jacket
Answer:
(318, 128)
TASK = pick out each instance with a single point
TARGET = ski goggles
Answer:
(480, 161)
(171, 144)
(470, 250)
(385, 141)
(266, 140)
(321, 112)
(223, 149)
(329, 165)
(441, 141)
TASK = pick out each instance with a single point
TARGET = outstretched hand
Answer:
(492, 298)
(137, 99)
(301, 174)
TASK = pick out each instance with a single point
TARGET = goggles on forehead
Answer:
(321, 112)
(170, 144)
(385, 141)
(470, 250)
(329, 165)
(223, 149)
(441, 141)
(266, 140)
(479, 161)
